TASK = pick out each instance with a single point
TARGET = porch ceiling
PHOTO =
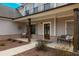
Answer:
(59, 12)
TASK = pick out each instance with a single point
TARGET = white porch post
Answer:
(54, 25)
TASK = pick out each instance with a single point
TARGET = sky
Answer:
(12, 5)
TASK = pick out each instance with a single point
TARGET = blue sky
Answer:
(12, 5)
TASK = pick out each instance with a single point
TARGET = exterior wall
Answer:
(39, 34)
(40, 26)
(9, 29)
(60, 27)
(21, 27)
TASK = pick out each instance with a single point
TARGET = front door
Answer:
(47, 31)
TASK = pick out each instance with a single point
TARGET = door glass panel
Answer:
(33, 29)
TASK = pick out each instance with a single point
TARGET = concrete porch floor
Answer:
(61, 46)
(54, 44)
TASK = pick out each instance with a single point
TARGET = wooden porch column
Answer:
(76, 30)
(29, 30)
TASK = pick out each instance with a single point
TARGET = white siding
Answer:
(8, 27)
(52, 27)
(40, 27)
(60, 27)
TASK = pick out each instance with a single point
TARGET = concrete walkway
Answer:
(22, 39)
(17, 50)
(25, 39)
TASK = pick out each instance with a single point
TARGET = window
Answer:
(26, 8)
(35, 9)
(33, 29)
(27, 12)
(70, 27)
(46, 6)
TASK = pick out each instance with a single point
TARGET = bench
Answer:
(65, 38)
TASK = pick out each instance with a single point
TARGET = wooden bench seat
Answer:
(65, 38)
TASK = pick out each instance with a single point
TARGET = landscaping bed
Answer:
(49, 52)
(9, 43)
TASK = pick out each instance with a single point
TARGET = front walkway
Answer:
(17, 50)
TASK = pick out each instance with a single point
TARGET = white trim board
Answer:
(54, 26)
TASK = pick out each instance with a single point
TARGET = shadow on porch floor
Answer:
(61, 46)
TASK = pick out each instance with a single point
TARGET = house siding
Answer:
(60, 27)
(9, 29)
(39, 28)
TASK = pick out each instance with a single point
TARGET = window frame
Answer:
(27, 12)
(33, 28)
(45, 6)
(35, 9)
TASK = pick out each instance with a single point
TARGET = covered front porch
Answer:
(51, 28)
(52, 24)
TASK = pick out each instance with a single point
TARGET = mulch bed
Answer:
(49, 52)
(7, 44)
